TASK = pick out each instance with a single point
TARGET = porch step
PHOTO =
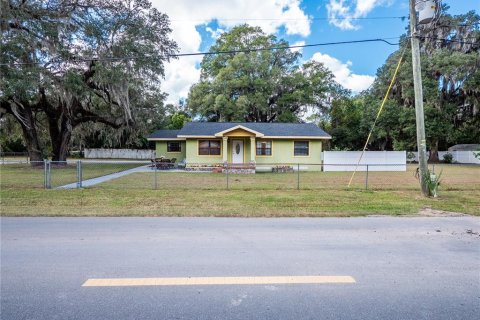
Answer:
(239, 169)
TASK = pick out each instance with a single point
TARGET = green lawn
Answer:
(26, 176)
(118, 202)
(205, 194)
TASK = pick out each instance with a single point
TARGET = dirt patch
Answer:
(429, 212)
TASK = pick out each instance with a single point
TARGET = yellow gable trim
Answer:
(239, 133)
(245, 132)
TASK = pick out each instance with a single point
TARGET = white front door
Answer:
(237, 151)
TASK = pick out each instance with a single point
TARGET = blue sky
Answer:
(196, 24)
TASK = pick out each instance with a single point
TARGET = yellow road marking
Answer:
(122, 282)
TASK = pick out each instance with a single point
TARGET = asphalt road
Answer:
(404, 268)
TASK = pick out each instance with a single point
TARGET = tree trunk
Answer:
(60, 129)
(383, 144)
(433, 154)
(60, 145)
(33, 146)
(23, 113)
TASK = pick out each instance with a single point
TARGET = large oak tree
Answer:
(65, 63)
(243, 84)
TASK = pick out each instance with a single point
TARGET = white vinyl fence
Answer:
(118, 154)
(458, 156)
(376, 160)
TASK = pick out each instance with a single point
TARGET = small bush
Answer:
(410, 157)
(447, 158)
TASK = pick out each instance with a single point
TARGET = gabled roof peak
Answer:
(256, 133)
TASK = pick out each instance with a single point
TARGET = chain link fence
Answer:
(111, 188)
(287, 176)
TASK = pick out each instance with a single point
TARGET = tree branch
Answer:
(88, 116)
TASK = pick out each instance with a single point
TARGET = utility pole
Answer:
(417, 85)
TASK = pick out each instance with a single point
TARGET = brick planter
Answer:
(239, 169)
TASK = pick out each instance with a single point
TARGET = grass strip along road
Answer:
(263, 194)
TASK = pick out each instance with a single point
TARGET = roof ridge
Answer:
(273, 129)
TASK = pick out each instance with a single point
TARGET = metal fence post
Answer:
(298, 176)
(48, 174)
(79, 173)
(227, 176)
(45, 174)
(366, 180)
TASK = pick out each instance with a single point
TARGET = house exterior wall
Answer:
(161, 150)
(193, 156)
(282, 153)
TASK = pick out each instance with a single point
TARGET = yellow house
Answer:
(249, 144)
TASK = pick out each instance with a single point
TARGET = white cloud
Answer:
(341, 13)
(298, 43)
(343, 74)
(365, 6)
(179, 76)
(187, 14)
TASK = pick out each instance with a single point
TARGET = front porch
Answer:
(233, 152)
(238, 145)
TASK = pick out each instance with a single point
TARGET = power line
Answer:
(287, 47)
(385, 40)
(282, 19)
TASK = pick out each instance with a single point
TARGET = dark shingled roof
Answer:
(164, 134)
(268, 129)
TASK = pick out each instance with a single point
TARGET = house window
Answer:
(264, 148)
(174, 146)
(209, 147)
(301, 148)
